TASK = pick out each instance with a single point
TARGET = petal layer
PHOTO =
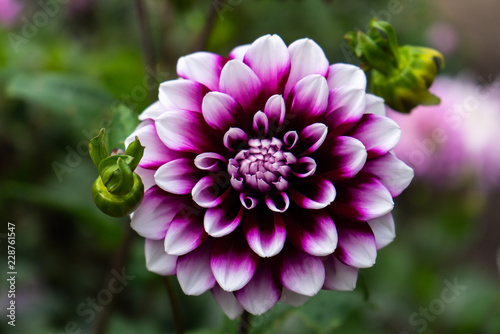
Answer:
(269, 58)
(362, 199)
(261, 293)
(339, 276)
(182, 94)
(157, 260)
(306, 58)
(203, 67)
(301, 272)
(357, 247)
(193, 271)
(312, 232)
(233, 263)
(265, 232)
(157, 210)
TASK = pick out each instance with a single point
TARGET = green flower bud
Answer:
(118, 191)
(401, 75)
(118, 205)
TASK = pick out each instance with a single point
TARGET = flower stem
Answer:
(174, 305)
(202, 40)
(245, 325)
(119, 262)
(147, 43)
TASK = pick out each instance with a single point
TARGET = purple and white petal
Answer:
(235, 139)
(248, 201)
(203, 67)
(357, 246)
(233, 263)
(341, 159)
(183, 130)
(182, 94)
(379, 134)
(227, 302)
(220, 111)
(309, 97)
(339, 276)
(239, 81)
(155, 151)
(269, 58)
(261, 293)
(304, 167)
(153, 112)
(383, 229)
(210, 161)
(290, 139)
(275, 111)
(184, 234)
(311, 138)
(341, 75)
(312, 232)
(260, 124)
(393, 173)
(157, 260)
(239, 52)
(193, 271)
(211, 190)
(279, 201)
(177, 176)
(265, 232)
(314, 195)
(361, 199)
(223, 219)
(153, 217)
(306, 58)
(375, 105)
(346, 106)
(147, 177)
(292, 298)
(301, 272)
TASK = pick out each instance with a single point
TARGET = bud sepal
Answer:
(401, 75)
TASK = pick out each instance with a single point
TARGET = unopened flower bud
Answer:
(401, 75)
(118, 191)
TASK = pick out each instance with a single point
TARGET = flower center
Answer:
(262, 166)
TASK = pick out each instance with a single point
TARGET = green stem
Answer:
(119, 262)
(202, 40)
(174, 306)
(147, 43)
(244, 326)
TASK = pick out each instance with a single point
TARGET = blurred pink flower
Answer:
(456, 140)
(443, 37)
(9, 12)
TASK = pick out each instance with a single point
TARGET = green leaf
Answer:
(108, 166)
(97, 149)
(124, 182)
(136, 150)
(391, 36)
(123, 123)
(64, 94)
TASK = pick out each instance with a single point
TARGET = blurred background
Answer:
(65, 65)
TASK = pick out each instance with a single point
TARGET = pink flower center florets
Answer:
(262, 165)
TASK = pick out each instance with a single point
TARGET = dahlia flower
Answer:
(268, 174)
(456, 140)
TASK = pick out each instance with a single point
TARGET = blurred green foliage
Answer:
(60, 86)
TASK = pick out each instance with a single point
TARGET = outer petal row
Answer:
(268, 57)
